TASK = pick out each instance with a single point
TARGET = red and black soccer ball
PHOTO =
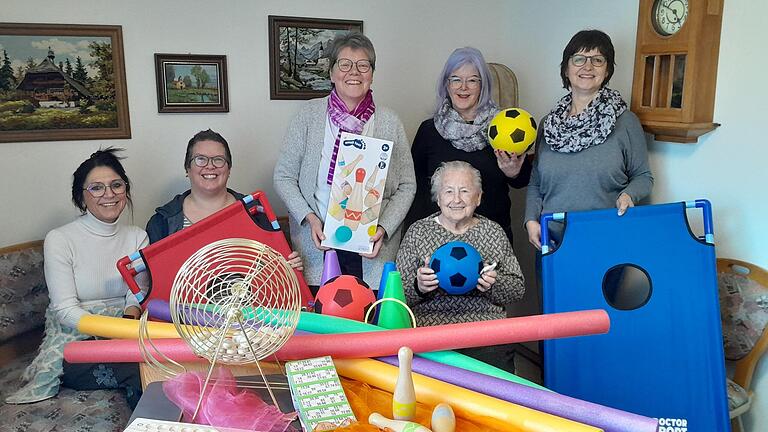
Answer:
(344, 296)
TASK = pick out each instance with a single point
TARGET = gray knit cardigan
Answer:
(295, 179)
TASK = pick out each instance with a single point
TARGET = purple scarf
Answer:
(352, 122)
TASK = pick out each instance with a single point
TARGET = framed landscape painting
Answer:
(298, 55)
(191, 83)
(62, 82)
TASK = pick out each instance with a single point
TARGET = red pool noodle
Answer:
(383, 343)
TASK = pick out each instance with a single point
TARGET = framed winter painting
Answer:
(298, 55)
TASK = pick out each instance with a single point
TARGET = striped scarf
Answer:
(347, 121)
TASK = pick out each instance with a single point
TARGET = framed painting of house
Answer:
(62, 82)
(191, 83)
(298, 55)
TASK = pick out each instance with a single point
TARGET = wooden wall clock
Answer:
(673, 89)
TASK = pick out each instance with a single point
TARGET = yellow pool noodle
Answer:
(123, 328)
(466, 403)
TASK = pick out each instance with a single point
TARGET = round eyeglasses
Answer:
(97, 190)
(456, 83)
(345, 65)
(596, 60)
(202, 161)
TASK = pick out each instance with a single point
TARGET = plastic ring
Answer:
(400, 302)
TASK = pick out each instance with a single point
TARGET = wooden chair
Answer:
(744, 310)
(504, 91)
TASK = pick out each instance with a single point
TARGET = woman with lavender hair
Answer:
(457, 131)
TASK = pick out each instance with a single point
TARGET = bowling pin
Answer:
(374, 194)
(370, 214)
(346, 188)
(354, 210)
(337, 202)
(336, 210)
(443, 419)
(340, 192)
(404, 397)
(382, 422)
(348, 168)
(372, 178)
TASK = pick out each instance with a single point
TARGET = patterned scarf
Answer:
(462, 135)
(347, 121)
(591, 127)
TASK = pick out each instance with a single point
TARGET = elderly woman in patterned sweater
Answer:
(457, 189)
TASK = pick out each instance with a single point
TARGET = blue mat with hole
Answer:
(663, 356)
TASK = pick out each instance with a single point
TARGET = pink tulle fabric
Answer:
(224, 404)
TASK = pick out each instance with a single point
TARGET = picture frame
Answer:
(62, 82)
(191, 83)
(298, 65)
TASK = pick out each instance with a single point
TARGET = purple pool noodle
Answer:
(161, 310)
(606, 418)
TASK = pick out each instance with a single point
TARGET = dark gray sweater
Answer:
(592, 178)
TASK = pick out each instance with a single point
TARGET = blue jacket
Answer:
(169, 218)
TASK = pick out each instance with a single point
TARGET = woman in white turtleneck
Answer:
(80, 257)
(82, 279)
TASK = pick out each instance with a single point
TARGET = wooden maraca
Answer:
(443, 419)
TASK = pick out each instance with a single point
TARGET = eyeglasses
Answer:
(97, 190)
(202, 161)
(456, 83)
(345, 65)
(581, 60)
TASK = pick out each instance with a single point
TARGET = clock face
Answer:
(669, 16)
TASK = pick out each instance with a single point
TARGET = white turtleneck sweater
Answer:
(80, 266)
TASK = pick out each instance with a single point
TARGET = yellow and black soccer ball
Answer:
(512, 130)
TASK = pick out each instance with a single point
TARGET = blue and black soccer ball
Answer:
(457, 266)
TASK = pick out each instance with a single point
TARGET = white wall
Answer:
(412, 41)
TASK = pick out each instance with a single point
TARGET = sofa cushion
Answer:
(70, 410)
(23, 302)
(23, 293)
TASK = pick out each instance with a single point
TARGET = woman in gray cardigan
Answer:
(309, 151)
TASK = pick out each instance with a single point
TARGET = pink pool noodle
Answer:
(383, 343)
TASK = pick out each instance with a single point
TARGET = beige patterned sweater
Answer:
(437, 307)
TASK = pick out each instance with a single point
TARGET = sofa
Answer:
(23, 300)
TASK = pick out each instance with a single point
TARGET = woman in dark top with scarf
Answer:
(592, 151)
(458, 132)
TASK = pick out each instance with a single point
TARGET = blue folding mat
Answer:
(663, 356)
